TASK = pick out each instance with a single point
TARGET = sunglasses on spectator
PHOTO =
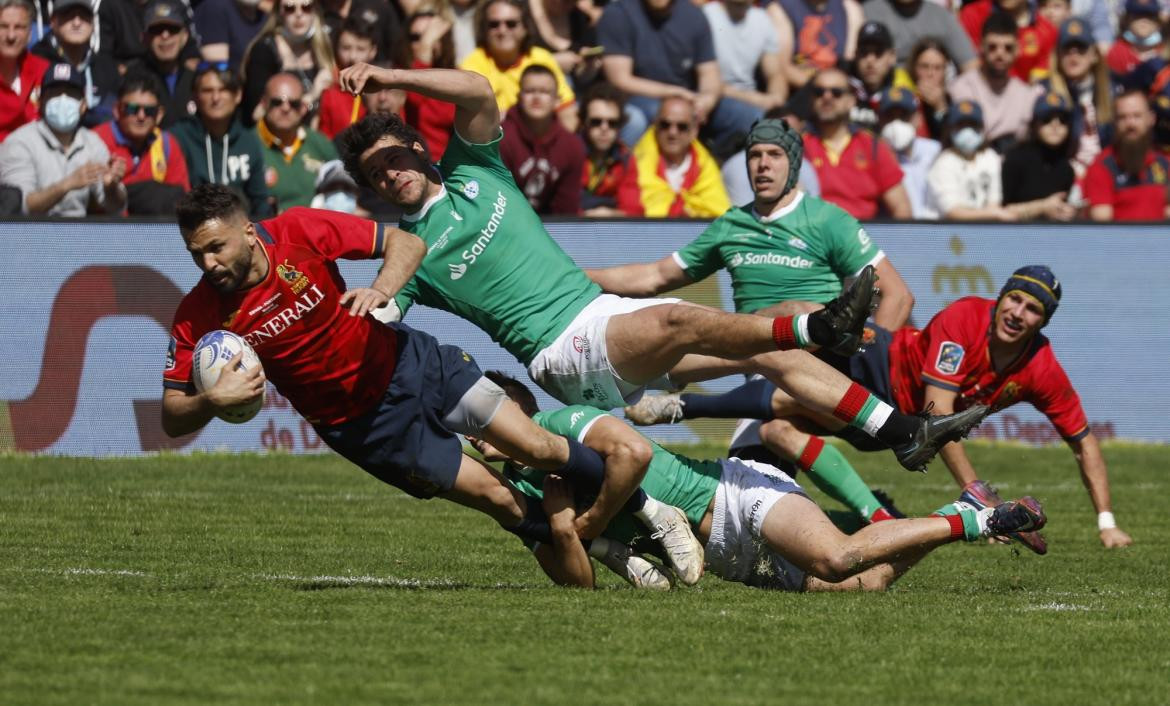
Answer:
(1006, 47)
(835, 91)
(1064, 119)
(281, 101)
(608, 122)
(134, 108)
(161, 29)
(496, 24)
(212, 66)
(666, 125)
(416, 36)
(291, 8)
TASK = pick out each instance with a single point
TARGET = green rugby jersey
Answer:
(489, 259)
(801, 253)
(673, 479)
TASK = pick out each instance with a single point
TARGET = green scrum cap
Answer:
(771, 131)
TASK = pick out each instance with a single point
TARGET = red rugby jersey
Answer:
(331, 366)
(953, 352)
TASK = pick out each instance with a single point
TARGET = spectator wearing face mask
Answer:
(1140, 41)
(897, 113)
(336, 189)
(72, 25)
(964, 182)
(61, 167)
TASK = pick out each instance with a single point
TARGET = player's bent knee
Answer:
(505, 508)
(835, 566)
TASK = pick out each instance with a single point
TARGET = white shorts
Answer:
(736, 551)
(575, 367)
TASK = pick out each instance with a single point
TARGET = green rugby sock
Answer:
(832, 474)
(964, 520)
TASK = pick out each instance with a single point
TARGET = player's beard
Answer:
(1132, 151)
(237, 273)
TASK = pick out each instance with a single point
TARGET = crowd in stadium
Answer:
(1006, 110)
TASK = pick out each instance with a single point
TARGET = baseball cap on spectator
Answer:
(1048, 105)
(63, 73)
(1142, 8)
(170, 12)
(965, 112)
(875, 34)
(897, 98)
(63, 5)
(333, 177)
(1074, 31)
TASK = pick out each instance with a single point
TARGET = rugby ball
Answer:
(212, 353)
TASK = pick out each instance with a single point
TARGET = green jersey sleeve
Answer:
(850, 247)
(461, 153)
(406, 296)
(702, 257)
(573, 422)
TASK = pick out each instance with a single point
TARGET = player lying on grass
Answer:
(758, 526)
(388, 398)
(786, 252)
(975, 351)
(489, 260)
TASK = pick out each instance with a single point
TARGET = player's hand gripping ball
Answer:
(212, 353)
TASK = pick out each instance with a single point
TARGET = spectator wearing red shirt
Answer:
(20, 71)
(339, 109)
(545, 159)
(432, 46)
(1140, 39)
(156, 171)
(607, 159)
(1128, 181)
(1036, 35)
(857, 171)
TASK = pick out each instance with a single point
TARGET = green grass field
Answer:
(278, 579)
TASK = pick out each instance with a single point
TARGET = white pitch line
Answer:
(101, 572)
(1060, 607)
(364, 580)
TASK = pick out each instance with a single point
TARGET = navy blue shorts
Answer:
(871, 370)
(402, 440)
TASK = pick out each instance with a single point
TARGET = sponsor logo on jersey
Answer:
(292, 277)
(575, 417)
(742, 236)
(266, 306)
(797, 243)
(456, 216)
(470, 255)
(581, 345)
(950, 357)
(471, 189)
(863, 239)
(171, 347)
(768, 258)
(287, 316)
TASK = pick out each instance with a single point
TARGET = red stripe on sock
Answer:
(783, 334)
(812, 451)
(850, 405)
(956, 526)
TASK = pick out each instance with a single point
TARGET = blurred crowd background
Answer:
(1004, 110)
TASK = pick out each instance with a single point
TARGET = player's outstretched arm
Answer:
(1096, 479)
(404, 252)
(627, 456)
(477, 115)
(184, 412)
(565, 560)
(644, 279)
(897, 301)
(952, 454)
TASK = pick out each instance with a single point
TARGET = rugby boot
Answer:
(845, 316)
(634, 569)
(981, 495)
(684, 553)
(1023, 515)
(934, 432)
(656, 409)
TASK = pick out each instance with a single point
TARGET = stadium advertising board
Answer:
(87, 309)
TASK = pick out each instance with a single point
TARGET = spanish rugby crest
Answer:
(292, 277)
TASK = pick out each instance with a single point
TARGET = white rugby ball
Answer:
(212, 353)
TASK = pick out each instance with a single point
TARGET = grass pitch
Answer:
(278, 579)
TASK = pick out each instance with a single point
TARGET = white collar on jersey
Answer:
(412, 217)
(782, 212)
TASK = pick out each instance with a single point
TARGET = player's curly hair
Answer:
(517, 391)
(207, 202)
(361, 136)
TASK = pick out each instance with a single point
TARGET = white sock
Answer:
(648, 511)
(598, 548)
